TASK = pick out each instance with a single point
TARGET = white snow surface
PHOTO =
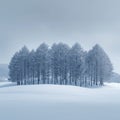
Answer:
(59, 102)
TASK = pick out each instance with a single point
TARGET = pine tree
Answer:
(42, 62)
(60, 65)
(76, 58)
(99, 65)
(54, 64)
(24, 66)
(32, 70)
(14, 69)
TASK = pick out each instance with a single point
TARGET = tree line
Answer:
(60, 64)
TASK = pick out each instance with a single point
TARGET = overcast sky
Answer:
(31, 22)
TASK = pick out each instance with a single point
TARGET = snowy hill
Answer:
(54, 102)
(3, 72)
(115, 78)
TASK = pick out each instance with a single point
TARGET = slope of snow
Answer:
(3, 71)
(6, 84)
(115, 78)
(54, 102)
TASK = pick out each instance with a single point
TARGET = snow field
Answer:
(55, 102)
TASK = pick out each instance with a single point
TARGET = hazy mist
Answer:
(31, 22)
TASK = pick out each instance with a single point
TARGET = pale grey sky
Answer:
(31, 22)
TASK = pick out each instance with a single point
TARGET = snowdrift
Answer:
(55, 102)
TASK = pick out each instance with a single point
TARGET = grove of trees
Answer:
(60, 64)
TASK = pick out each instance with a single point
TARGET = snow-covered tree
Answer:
(32, 70)
(76, 58)
(42, 62)
(99, 65)
(54, 64)
(14, 69)
(24, 66)
(60, 65)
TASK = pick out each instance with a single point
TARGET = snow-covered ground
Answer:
(54, 102)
